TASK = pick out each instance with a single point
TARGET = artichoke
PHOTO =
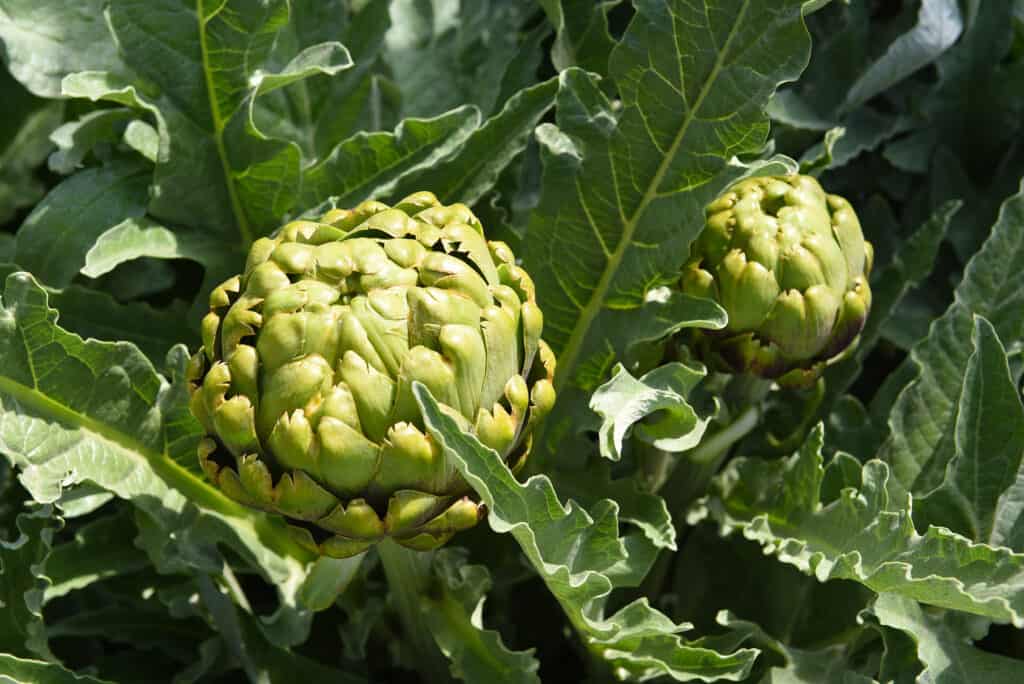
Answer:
(790, 266)
(304, 380)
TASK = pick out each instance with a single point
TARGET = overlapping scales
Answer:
(790, 266)
(304, 382)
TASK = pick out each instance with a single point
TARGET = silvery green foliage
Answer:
(869, 532)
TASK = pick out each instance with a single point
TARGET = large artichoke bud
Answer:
(790, 266)
(304, 381)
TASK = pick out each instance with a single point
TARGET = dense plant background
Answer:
(874, 532)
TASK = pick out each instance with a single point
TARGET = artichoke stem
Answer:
(711, 448)
(409, 577)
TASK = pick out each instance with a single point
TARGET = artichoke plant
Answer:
(790, 266)
(304, 380)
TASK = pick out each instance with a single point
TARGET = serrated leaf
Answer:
(573, 550)
(135, 238)
(14, 670)
(948, 658)
(624, 401)
(801, 666)
(74, 410)
(938, 26)
(445, 53)
(76, 139)
(100, 550)
(582, 37)
(318, 113)
(713, 573)
(25, 125)
(215, 169)
(456, 619)
(820, 157)
(262, 660)
(474, 168)
(637, 506)
(23, 582)
(865, 535)
(923, 418)
(982, 495)
(74, 39)
(624, 192)
(865, 129)
(91, 313)
(54, 239)
(370, 165)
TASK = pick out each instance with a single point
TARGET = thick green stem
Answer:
(690, 479)
(696, 468)
(710, 449)
(409, 577)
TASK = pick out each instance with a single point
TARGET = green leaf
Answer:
(14, 670)
(907, 269)
(143, 138)
(801, 666)
(134, 238)
(141, 626)
(789, 108)
(53, 241)
(328, 578)
(711, 574)
(637, 506)
(25, 125)
(100, 550)
(76, 139)
(261, 659)
(923, 418)
(215, 169)
(865, 129)
(582, 39)
(981, 496)
(864, 535)
(473, 169)
(456, 620)
(624, 401)
(446, 53)
(74, 410)
(370, 165)
(820, 157)
(91, 313)
(624, 193)
(318, 113)
(947, 656)
(573, 550)
(938, 26)
(23, 581)
(978, 90)
(44, 42)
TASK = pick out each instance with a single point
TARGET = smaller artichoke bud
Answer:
(304, 382)
(790, 266)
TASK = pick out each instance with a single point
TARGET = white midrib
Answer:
(569, 356)
(170, 472)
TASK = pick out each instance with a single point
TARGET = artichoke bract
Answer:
(304, 380)
(790, 265)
